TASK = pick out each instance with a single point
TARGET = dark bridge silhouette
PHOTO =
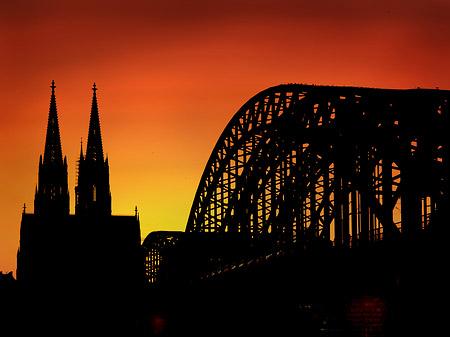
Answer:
(345, 165)
(317, 201)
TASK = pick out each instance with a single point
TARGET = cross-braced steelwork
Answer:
(155, 246)
(343, 165)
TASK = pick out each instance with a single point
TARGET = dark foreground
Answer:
(376, 292)
(228, 312)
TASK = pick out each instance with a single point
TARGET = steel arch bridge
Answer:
(341, 165)
(156, 246)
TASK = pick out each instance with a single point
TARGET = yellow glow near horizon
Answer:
(171, 75)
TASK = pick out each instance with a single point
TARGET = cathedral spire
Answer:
(94, 150)
(53, 151)
(92, 192)
(52, 196)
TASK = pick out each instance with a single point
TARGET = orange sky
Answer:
(172, 73)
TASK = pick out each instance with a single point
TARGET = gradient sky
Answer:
(170, 76)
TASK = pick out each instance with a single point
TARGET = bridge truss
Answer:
(157, 246)
(342, 165)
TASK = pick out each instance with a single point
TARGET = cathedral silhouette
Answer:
(87, 257)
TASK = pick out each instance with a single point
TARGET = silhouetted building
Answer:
(91, 256)
(8, 304)
(52, 195)
(93, 196)
(6, 278)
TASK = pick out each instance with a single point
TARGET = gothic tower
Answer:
(93, 196)
(52, 195)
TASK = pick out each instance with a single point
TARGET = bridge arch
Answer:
(342, 165)
(156, 247)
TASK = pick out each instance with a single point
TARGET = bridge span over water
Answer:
(325, 195)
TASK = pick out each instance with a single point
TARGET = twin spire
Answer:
(94, 150)
(52, 195)
(92, 191)
(52, 151)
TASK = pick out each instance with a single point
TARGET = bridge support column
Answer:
(387, 197)
(364, 205)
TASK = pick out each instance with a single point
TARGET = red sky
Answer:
(172, 73)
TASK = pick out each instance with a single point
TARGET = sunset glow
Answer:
(171, 74)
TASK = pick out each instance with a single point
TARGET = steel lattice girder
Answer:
(155, 247)
(343, 164)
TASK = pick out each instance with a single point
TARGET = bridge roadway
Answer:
(395, 289)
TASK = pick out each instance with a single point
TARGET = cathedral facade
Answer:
(92, 251)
